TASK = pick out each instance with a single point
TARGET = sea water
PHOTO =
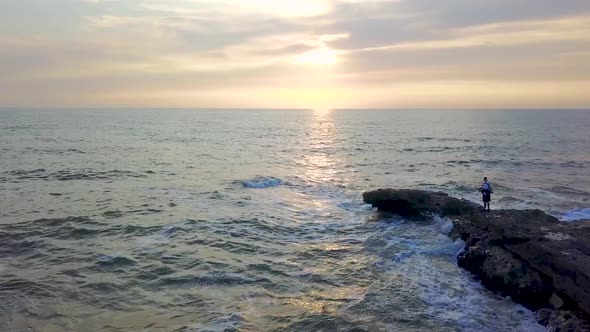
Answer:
(252, 220)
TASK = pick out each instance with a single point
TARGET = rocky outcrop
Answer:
(528, 255)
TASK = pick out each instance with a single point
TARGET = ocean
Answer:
(253, 220)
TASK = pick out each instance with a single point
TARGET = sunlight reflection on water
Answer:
(253, 220)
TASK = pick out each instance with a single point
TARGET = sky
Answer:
(318, 54)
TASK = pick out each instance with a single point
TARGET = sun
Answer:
(319, 56)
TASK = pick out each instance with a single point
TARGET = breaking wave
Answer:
(261, 182)
(575, 215)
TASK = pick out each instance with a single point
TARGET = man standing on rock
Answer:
(486, 192)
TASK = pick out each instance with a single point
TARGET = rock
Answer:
(562, 320)
(507, 275)
(417, 203)
(555, 301)
(528, 255)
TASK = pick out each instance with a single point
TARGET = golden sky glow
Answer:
(296, 54)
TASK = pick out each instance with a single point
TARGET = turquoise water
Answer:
(252, 220)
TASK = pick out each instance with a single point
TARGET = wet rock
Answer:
(417, 203)
(507, 275)
(528, 255)
(555, 301)
(562, 321)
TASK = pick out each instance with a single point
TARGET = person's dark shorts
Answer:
(486, 198)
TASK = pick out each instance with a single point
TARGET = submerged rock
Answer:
(528, 255)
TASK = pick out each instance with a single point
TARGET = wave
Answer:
(575, 215)
(261, 182)
(355, 206)
(444, 225)
(569, 191)
(442, 149)
(452, 139)
(443, 139)
(459, 162)
(68, 174)
(510, 200)
(151, 239)
(455, 186)
(114, 260)
(574, 164)
(212, 279)
(16, 127)
(114, 214)
(54, 151)
(27, 288)
(36, 236)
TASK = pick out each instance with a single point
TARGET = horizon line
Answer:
(4, 108)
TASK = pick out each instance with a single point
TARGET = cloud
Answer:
(503, 34)
(193, 52)
(98, 1)
(278, 8)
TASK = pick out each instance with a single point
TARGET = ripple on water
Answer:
(71, 174)
(115, 260)
(291, 253)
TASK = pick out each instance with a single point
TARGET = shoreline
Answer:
(528, 255)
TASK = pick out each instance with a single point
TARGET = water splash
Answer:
(575, 215)
(261, 182)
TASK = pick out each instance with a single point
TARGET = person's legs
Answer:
(486, 202)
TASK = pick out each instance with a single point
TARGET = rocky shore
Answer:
(538, 261)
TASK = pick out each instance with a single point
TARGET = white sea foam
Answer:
(106, 258)
(445, 225)
(261, 182)
(459, 246)
(354, 206)
(424, 255)
(575, 215)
